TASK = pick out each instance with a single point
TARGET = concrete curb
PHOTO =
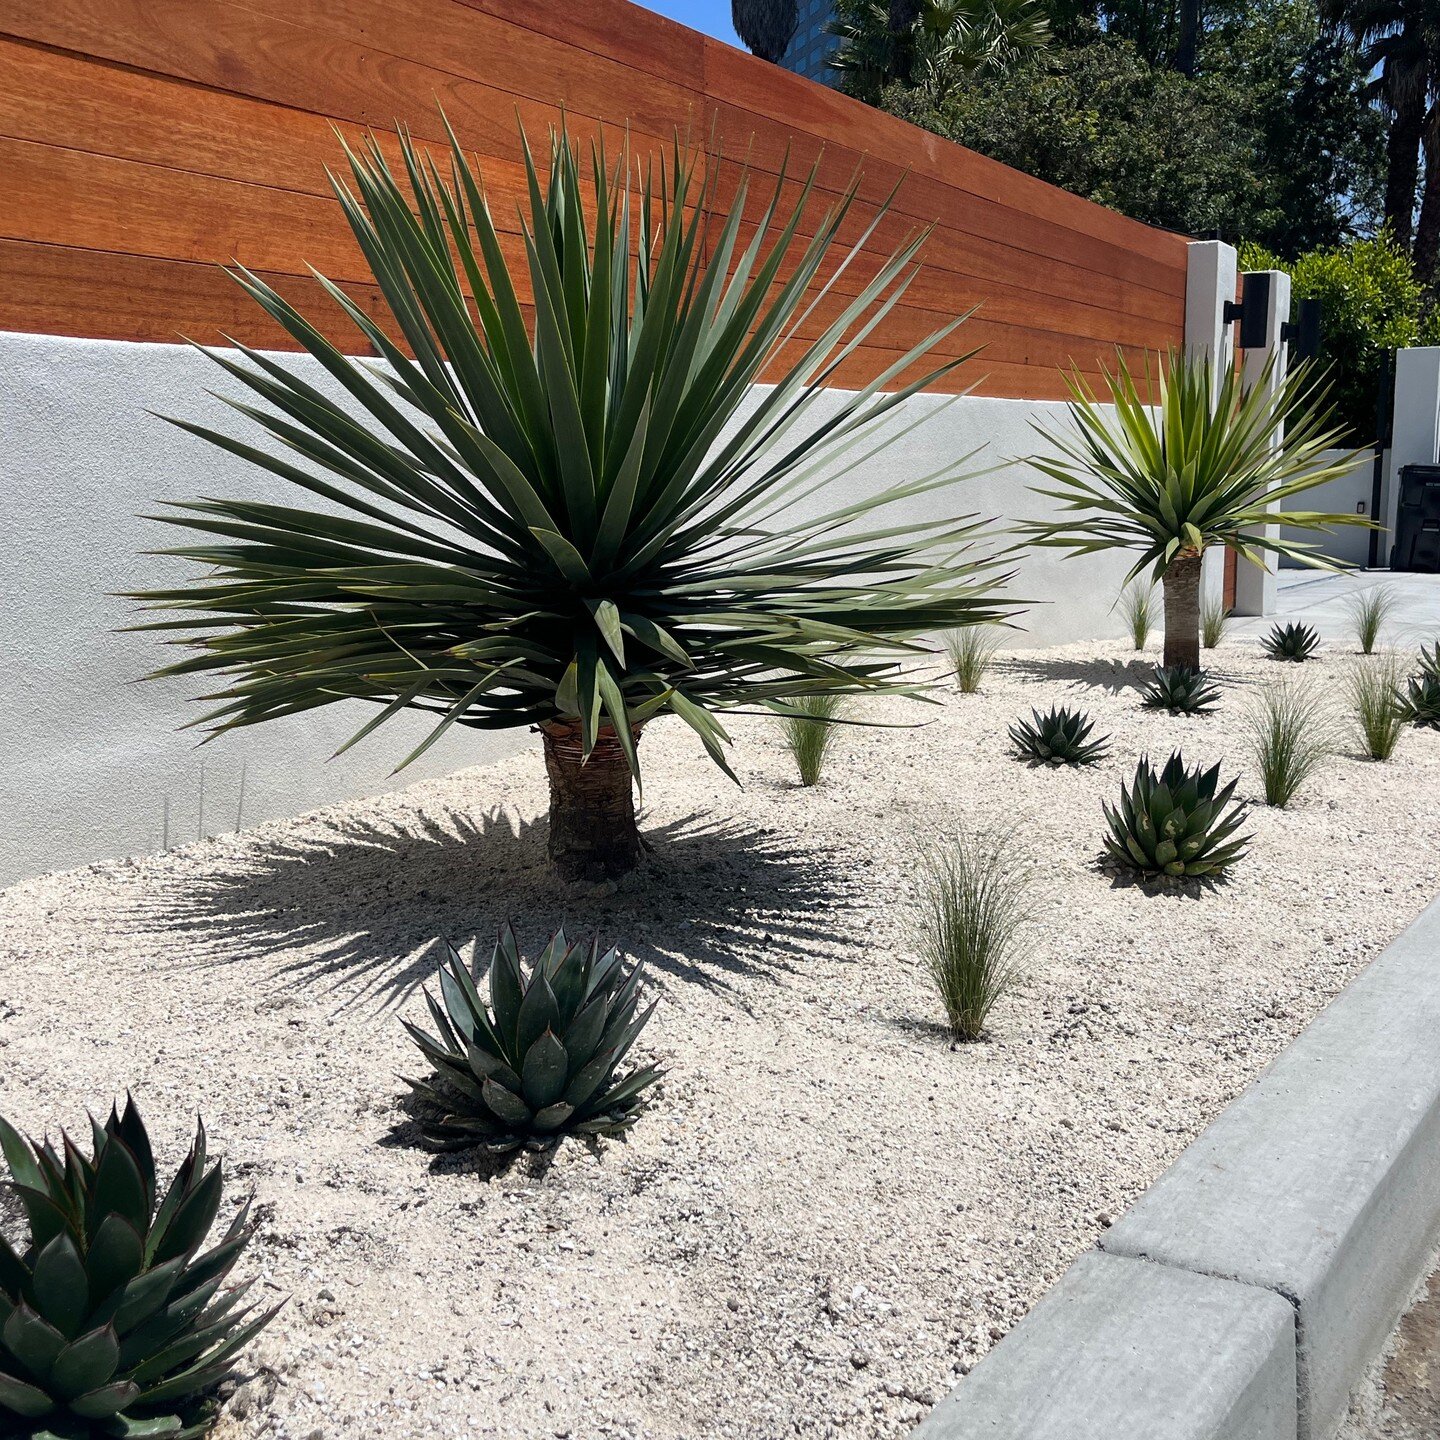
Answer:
(1317, 1191)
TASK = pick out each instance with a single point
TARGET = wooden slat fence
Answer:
(145, 141)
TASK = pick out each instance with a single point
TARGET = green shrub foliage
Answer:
(1372, 302)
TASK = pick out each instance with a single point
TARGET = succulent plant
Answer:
(541, 1059)
(1421, 701)
(1175, 824)
(1430, 660)
(1181, 690)
(1291, 642)
(115, 1322)
(1059, 737)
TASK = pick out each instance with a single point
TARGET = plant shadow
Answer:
(1114, 676)
(354, 906)
(1191, 887)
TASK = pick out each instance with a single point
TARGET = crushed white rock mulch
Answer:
(829, 1213)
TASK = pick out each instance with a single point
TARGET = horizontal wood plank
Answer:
(145, 142)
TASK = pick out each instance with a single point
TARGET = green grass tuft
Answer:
(1214, 621)
(1368, 611)
(970, 651)
(1377, 704)
(809, 735)
(979, 896)
(1138, 609)
(1292, 731)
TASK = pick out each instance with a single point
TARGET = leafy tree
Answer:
(766, 26)
(1273, 139)
(1400, 46)
(1302, 92)
(1103, 123)
(1371, 303)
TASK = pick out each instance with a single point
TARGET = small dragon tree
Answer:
(1196, 464)
(583, 520)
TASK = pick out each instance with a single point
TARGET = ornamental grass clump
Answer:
(1059, 737)
(561, 499)
(1137, 609)
(1190, 464)
(1293, 641)
(1175, 825)
(1377, 705)
(810, 730)
(970, 651)
(1180, 690)
(116, 1320)
(1368, 611)
(979, 895)
(1291, 733)
(1214, 622)
(540, 1060)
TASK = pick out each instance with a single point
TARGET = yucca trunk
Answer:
(593, 834)
(1182, 612)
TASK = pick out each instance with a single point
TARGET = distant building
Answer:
(811, 46)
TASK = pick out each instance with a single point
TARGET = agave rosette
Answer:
(542, 1058)
(114, 1321)
(1179, 824)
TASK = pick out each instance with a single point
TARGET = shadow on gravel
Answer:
(1108, 675)
(1192, 887)
(354, 907)
(485, 1164)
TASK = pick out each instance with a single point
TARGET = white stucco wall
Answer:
(90, 756)
(1350, 544)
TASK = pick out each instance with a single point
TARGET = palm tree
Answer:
(583, 518)
(1400, 44)
(1195, 465)
(933, 43)
(766, 26)
(975, 40)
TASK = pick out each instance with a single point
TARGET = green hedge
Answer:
(1371, 303)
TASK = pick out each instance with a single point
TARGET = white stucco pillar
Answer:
(1211, 271)
(1415, 433)
(1254, 584)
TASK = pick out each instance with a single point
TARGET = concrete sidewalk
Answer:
(1319, 598)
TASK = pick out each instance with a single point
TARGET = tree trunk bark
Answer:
(1427, 232)
(1182, 611)
(1185, 52)
(1407, 125)
(593, 834)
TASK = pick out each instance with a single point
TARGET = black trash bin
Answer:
(1417, 520)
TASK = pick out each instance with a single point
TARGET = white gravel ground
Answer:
(829, 1213)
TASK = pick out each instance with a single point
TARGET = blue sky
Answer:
(711, 16)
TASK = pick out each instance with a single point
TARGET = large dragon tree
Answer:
(584, 515)
(1194, 462)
